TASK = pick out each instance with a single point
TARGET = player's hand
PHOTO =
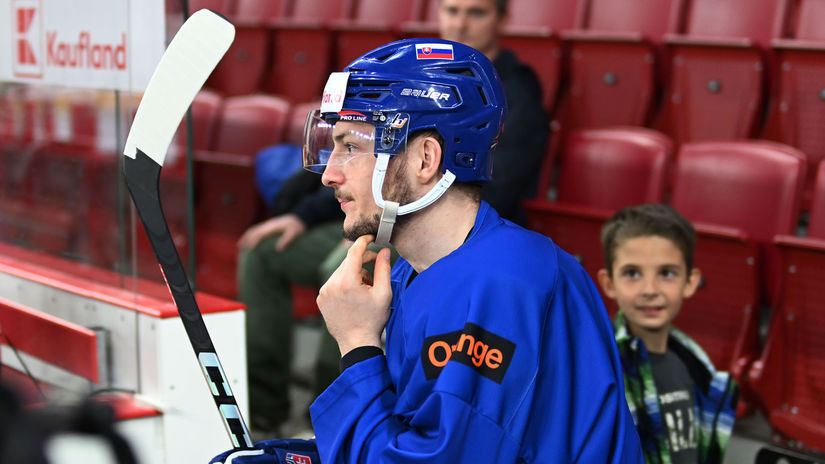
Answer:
(289, 226)
(274, 451)
(355, 304)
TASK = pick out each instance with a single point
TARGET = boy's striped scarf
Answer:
(715, 393)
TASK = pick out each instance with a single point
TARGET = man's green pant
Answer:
(265, 277)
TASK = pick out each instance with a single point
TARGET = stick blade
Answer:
(188, 60)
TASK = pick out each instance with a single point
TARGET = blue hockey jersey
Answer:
(500, 352)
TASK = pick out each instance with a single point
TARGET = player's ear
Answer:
(694, 278)
(607, 283)
(428, 162)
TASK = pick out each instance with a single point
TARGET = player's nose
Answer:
(332, 175)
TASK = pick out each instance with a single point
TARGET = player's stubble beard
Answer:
(399, 191)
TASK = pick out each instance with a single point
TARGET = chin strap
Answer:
(388, 215)
(392, 209)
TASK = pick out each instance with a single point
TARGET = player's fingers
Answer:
(369, 256)
(355, 256)
(381, 276)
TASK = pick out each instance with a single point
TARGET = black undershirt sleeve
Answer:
(356, 355)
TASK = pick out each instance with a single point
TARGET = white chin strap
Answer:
(392, 209)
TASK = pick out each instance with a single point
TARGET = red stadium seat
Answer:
(250, 123)
(718, 69)
(218, 6)
(8, 123)
(15, 172)
(107, 239)
(217, 255)
(816, 221)
(303, 302)
(242, 69)
(788, 378)
(51, 193)
(83, 121)
(302, 49)
(257, 10)
(227, 198)
(297, 120)
(427, 26)
(46, 228)
(374, 23)
(798, 112)
(602, 170)
(227, 205)
(206, 110)
(615, 68)
(738, 195)
(533, 33)
(60, 176)
(227, 201)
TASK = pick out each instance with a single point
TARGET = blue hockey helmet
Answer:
(419, 84)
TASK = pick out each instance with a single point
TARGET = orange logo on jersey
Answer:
(483, 351)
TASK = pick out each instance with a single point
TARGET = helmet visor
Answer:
(335, 139)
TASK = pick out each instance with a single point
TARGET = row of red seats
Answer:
(700, 70)
(289, 47)
(693, 69)
(744, 199)
(60, 194)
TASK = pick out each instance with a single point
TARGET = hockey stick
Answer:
(187, 62)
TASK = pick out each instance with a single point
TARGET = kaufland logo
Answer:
(27, 38)
(84, 52)
(36, 48)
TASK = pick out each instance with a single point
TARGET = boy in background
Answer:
(683, 408)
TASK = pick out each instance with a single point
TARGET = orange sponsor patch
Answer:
(483, 351)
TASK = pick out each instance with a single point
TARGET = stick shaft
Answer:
(142, 178)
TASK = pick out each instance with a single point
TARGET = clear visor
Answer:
(338, 138)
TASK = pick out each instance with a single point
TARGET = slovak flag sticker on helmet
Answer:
(434, 51)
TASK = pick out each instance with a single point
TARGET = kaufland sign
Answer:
(106, 44)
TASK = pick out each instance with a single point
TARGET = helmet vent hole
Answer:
(483, 97)
(371, 95)
(482, 126)
(462, 71)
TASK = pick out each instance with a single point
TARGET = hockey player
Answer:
(498, 347)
